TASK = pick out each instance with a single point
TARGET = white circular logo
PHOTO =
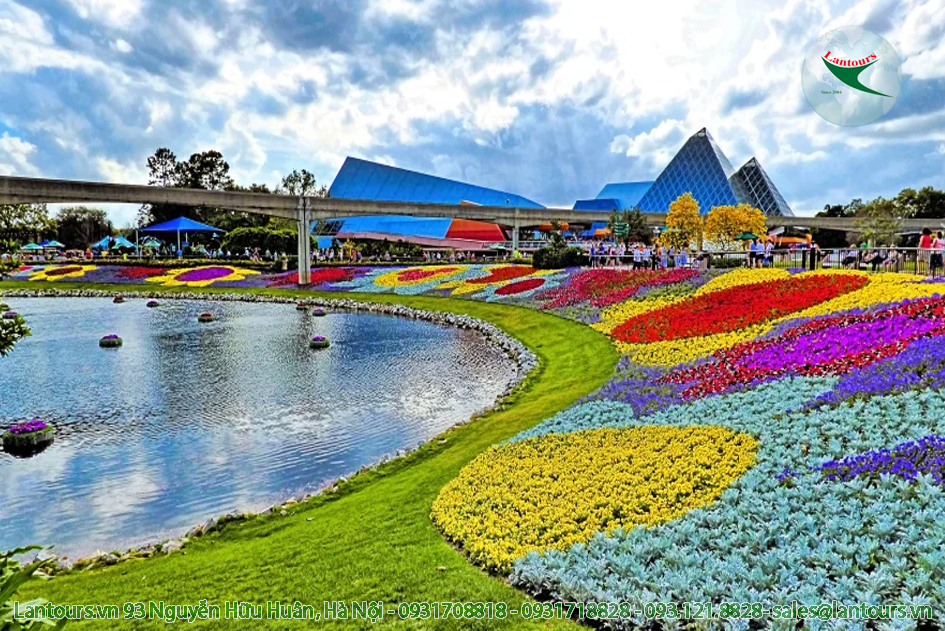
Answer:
(851, 76)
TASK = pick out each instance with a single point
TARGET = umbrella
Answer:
(31, 246)
(746, 236)
(151, 242)
(52, 244)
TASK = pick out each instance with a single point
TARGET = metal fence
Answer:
(899, 260)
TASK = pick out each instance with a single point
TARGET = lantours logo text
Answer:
(848, 71)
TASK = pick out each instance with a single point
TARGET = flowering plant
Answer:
(34, 425)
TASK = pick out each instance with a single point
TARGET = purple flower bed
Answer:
(35, 425)
(640, 387)
(907, 460)
(203, 274)
(920, 366)
(828, 345)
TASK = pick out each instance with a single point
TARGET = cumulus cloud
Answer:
(15, 156)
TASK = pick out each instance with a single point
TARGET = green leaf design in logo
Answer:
(850, 76)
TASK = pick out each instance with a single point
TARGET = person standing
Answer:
(938, 247)
(769, 253)
(925, 251)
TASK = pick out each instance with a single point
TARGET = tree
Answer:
(926, 203)
(301, 183)
(637, 229)
(22, 223)
(879, 221)
(80, 226)
(206, 170)
(683, 223)
(163, 168)
(724, 223)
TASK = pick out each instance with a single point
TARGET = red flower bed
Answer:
(735, 308)
(503, 274)
(319, 276)
(520, 286)
(411, 275)
(59, 271)
(604, 287)
(137, 273)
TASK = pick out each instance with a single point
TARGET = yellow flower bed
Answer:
(54, 273)
(557, 490)
(742, 276)
(675, 352)
(201, 276)
(404, 277)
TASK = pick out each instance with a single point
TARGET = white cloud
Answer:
(15, 156)
(122, 46)
(132, 172)
(119, 13)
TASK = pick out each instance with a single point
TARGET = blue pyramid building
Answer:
(752, 185)
(699, 168)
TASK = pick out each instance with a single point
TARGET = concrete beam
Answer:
(22, 190)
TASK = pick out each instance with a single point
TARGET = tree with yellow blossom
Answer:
(683, 224)
(724, 223)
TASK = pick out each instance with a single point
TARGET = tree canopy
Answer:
(22, 223)
(683, 223)
(80, 226)
(724, 223)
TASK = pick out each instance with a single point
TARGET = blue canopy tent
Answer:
(181, 224)
(51, 244)
(119, 242)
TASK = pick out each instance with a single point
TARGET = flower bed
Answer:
(202, 276)
(319, 341)
(604, 287)
(27, 437)
(735, 308)
(110, 341)
(553, 491)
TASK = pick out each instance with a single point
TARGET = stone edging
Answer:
(524, 359)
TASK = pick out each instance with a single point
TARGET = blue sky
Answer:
(549, 99)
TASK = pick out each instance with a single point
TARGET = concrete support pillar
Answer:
(305, 247)
(516, 228)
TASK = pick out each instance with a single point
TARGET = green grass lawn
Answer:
(373, 540)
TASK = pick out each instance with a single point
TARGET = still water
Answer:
(188, 421)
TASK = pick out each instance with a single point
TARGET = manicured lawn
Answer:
(374, 539)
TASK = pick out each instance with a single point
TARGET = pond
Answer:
(187, 421)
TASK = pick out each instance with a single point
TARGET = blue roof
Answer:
(361, 179)
(181, 224)
(627, 194)
(597, 204)
(398, 225)
(597, 225)
(120, 242)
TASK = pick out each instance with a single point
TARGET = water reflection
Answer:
(191, 420)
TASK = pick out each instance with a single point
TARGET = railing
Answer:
(900, 260)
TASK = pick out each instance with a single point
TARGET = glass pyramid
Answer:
(753, 185)
(699, 168)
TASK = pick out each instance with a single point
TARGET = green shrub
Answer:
(558, 258)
